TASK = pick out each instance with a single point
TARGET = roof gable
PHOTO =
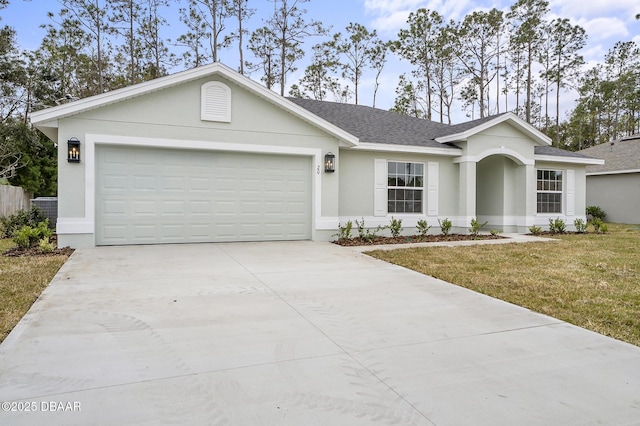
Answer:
(462, 132)
(47, 119)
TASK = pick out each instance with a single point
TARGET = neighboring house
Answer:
(615, 185)
(208, 155)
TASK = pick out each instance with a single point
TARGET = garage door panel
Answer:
(147, 196)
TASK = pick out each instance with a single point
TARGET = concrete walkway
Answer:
(297, 333)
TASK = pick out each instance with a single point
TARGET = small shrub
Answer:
(597, 224)
(495, 232)
(28, 236)
(24, 237)
(43, 229)
(361, 228)
(367, 234)
(395, 227)
(445, 226)
(476, 227)
(423, 227)
(13, 223)
(344, 232)
(595, 212)
(46, 246)
(604, 228)
(557, 226)
(535, 230)
(580, 225)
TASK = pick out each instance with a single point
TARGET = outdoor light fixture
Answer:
(73, 146)
(329, 163)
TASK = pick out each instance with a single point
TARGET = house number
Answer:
(318, 170)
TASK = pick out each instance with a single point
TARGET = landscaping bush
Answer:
(46, 246)
(557, 226)
(535, 230)
(423, 227)
(595, 212)
(367, 234)
(597, 224)
(476, 227)
(11, 224)
(28, 236)
(395, 227)
(344, 232)
(445, 226)
(581, 227)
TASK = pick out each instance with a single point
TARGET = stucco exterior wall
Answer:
(618, 195)
(490, 184)
(357, 187)
(502, 139)
(579, 194)
(173, 115)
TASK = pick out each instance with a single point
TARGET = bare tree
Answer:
(290, 29)
(240, 9)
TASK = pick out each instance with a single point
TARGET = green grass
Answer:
(590, 280)
(22, 279)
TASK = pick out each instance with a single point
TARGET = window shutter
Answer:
(571, 199)
(215, 102)
(432, 189)
(380, 187)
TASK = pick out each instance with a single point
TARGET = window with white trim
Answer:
(549, 191)
(405, 187)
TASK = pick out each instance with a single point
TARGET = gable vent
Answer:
(215, 102)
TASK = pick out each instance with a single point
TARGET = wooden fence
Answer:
(12, 199)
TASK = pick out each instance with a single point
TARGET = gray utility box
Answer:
(49, 205)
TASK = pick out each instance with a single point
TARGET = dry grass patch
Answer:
(590, 280)
(22, 279)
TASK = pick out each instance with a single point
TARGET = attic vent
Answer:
(215, 102)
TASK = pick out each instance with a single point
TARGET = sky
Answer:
(605, 22)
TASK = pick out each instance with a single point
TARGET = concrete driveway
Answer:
(297, 333)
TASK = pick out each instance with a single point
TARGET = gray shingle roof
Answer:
(622, 154)
(468, 125)
(378, 126)
(557, 152)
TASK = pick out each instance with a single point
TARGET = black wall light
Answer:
(73, 155)
(329, 163)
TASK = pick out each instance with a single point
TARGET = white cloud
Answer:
(594, 54)
(391, 15)
(626, 9)
(604, 28)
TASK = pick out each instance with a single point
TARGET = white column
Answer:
(530, 201)
(467, 195)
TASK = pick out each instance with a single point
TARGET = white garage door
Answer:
(157, 196)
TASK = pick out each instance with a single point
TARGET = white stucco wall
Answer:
(357, 187)
(579, 190)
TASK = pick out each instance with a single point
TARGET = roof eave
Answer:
(572, 160)
(613, 172)
(53, 114)
(410, 149)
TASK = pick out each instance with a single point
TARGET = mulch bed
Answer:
(357, 241)
(35, 251)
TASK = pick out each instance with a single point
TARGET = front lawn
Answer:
(590, 280)
(22, 279)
